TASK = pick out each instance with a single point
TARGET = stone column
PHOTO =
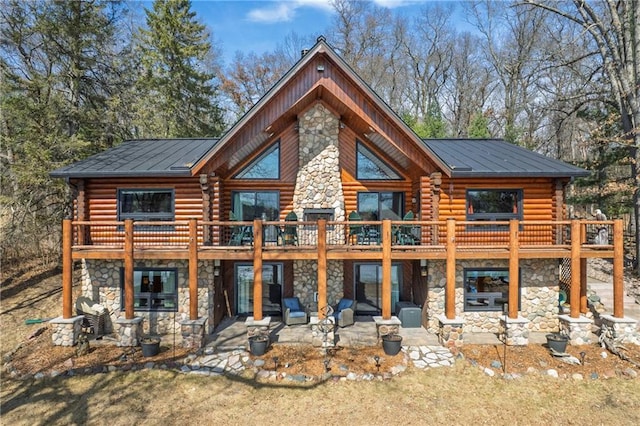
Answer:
(578, 329)
(516, 331)
(450, 333)
(129, 331)
(66, 330)
(193, 333)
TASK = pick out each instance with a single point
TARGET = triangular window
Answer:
(370, 167)
(266, 166)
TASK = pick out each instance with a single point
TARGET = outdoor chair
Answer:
(240, 234)
(294, 312)
(94, 315)
(291, 231)
(356, 232)
(405, 236)
(344, 312)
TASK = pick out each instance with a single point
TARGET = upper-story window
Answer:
(380, 205)
(266, 166)
(370, 167)
(494, 204)
(249, 205)
(146, 204)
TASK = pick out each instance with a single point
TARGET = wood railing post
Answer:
(322, 268)
(576, 245)
(257, 270)
(450, 289)
(618, 269)
(67, 268)
(128, 269)
(386, 269)
(193, 269)
(514, 266)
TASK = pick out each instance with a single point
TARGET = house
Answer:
(321, 191)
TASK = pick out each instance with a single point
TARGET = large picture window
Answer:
(370, 167)
(486, 289)
(154, 289)
(494, 204)
(249, 205)
(146, 204)
(266, 166)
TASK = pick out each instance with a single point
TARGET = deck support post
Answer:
(576, 241)
(514, 264)
(128, 269)
(450, 289)
(583, 271)
(618, 269)
(386, 269)
(257, 270)
(322, 268)
(67, 269)
(193, 270)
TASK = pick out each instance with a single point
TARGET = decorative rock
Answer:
(496, 364)
(489, 372)
(552, 373)
(577, 376)
(630, 372)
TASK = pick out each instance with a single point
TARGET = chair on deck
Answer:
(241, 234)
(94, 315)
(356, 232)
(344, 312)
(405, 236)
(291, 231)
(294, 313)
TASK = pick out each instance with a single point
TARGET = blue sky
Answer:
(260, 26)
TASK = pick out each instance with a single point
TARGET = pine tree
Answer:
(479, 127)
(177, 93)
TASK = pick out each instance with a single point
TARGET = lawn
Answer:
(459, 395)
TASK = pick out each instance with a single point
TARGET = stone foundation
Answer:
(578, 329)
(129, 331)
(515, 331)
(385, 327)
(66, 330)
(193, 333)
(451, 332)
(623, 330)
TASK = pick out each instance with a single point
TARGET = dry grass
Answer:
(462, 395)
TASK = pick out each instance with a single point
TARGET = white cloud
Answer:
(284, 11)
(397, 3)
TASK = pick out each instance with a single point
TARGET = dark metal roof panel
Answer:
(497, 158)
(143, 157)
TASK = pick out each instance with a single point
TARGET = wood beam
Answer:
(618, 269)
(514, 264)
(322, 268)
(128, 269)
(67, 268)
(257, 270)
(386, 269)
(450, 289)
(576, 243)
(193, 269)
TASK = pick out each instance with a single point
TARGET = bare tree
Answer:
(613, 27)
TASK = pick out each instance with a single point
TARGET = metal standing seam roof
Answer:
(496, 158)
(142, 158)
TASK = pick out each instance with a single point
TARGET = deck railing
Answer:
(362, 234)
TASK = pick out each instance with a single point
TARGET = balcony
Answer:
(341, 239)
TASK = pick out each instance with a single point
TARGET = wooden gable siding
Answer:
(102, 196)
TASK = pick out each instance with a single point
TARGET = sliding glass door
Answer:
(368, 287)
(272, 282)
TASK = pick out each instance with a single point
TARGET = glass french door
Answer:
(271, 289)
(368, 287)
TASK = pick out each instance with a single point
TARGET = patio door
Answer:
(271, 288)
(368, 287)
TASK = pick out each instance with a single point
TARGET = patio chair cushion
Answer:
(344, 304)
(297, 314)
(293, 304)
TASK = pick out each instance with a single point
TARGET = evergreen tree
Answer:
(479, 127)
(177, 97)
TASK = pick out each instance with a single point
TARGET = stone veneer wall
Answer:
(538, 295)
(318, 186)
(305, 282)
(101, 283)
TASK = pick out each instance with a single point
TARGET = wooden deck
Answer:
(321, 241)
